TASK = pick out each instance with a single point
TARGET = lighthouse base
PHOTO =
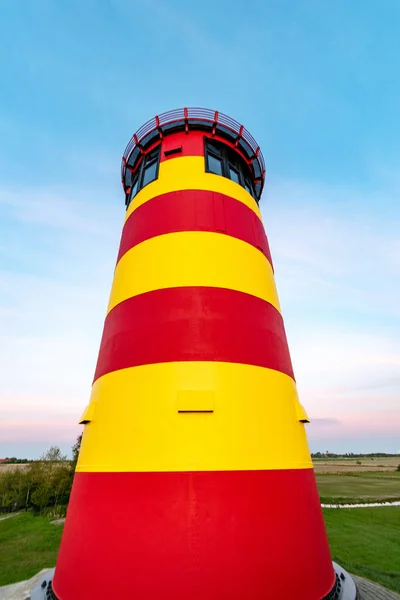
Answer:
(344, 589)
(43, 589)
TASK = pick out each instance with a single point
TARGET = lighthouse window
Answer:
(214, 164)
(146, 172)
(223, 160)
(149, 173)
(134, 187)
(234, 175)
(149, 168)
(248, 186)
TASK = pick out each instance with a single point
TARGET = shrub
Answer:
(44, 485)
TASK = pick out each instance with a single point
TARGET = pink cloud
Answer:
(377, 423)
(51, 432)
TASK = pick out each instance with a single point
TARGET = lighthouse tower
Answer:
(194, 479)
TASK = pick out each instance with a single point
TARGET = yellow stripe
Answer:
(136, 425)
(188, 173)
(193, 258)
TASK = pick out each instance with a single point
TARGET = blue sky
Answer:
(315, 82)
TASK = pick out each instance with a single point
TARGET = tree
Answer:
(13, 488)
(75, 452)
(44, 485)
(50, 480)
(53, 455)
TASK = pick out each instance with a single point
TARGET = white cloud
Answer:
(334, 249)
(52, 306)
(65, 209)
(337, 270)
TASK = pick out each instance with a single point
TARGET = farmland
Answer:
(365, 541)
(370, 486)
(13, 467)
(356, 465)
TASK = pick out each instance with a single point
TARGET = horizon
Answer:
(7, 459)
(319, 97)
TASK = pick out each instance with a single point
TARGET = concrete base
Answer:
(348, 587)
(23, 589)
(37, 588)
(42, 591)
(347, 591)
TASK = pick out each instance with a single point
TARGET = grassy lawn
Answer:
(27, 545)
(359, 487)
(366, 541)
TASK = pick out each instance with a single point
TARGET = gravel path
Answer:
(365, 505)
(372, 591)
(9, 516)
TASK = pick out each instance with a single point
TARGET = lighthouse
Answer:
(194, 479)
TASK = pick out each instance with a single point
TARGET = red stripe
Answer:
(190, 145)
(204, 535)
(193, 324)
(193, 210)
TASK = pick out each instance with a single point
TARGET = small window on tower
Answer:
(214, 164)
(223, 160)
(134, 186)
(248, 186)
(146, 172)
(149, 173)
(234, 174)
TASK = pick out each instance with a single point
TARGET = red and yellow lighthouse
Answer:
(194, 479)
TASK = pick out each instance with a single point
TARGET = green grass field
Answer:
(366, 541)
(343, 488)
(28, 544)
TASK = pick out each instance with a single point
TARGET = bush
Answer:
(44, 485)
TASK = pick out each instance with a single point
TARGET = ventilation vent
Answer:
(195, 401)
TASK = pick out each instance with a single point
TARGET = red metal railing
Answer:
(207, 116)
